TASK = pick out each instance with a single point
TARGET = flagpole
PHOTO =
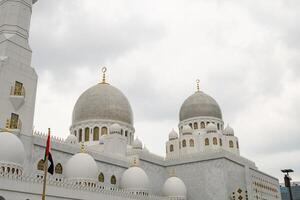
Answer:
(45, 178)
(45, 173)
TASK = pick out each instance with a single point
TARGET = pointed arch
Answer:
(58, 169)
(40, 165)
(96, 134)
(113, 180)
(215, 141)
(192, 143)
(101, 177)
(183, 143)
(86, 134)
(206, 141)
(171, 148)
(104, 130)
(80, 135)
(230, 143)
(195, 125)
(202, 125)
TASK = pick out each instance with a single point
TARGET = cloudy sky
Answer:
(246, 54)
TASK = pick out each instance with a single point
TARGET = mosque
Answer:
(102, 157)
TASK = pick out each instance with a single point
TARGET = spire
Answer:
(198, 85)
(134, 162)
(104, 69)
(82, 148)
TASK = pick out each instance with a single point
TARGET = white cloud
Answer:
(245, 53)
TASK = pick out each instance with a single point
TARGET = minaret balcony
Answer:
(17, 96)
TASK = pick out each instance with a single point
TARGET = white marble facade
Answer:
(102, 158)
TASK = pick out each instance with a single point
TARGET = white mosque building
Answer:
(102, 157)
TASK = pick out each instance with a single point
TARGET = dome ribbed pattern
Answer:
(102, 101)
(199, 104)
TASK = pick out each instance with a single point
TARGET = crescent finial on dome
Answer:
(198, 85)
(135, 162)
(104, 69)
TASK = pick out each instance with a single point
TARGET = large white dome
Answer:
(174, 187)
(81, 166)
(135, 179)
(199, 104)
(102, 101)
(11, 149)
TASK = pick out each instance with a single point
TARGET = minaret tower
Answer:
(18, 80)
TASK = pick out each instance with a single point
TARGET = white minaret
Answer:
(18, 80)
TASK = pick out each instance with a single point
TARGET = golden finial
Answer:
(82, 148)
(7, 124)
(198, 85)
(135, 162)
(6, 128)
(104, 69)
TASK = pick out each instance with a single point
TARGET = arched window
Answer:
(96, 134)
(191, 125)
(113, 180)
(80, 135)
(183, 143)
(75, 133)
(195, 125)
(103, 131)
(101, 177)
(58, 169)
(40, 165)
(171, 148)
(86, 134)
(230, 143)
(220, 141)
(237, 144)
(202, 125)
(126, 133)
(218, 125)
(215, 141)
(121, 131)
(206, 141)
(192, 143)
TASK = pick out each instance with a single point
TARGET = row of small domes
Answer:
(82, 166)
(186, 129)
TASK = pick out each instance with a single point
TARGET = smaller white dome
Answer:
(11, 149)
(186, 129)
(228, 130)
(173, 135)
(81, 166)
(137, 144)
(211, 128)
(135, 179)
(174, 187)
(71, 139)
(115, 128)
